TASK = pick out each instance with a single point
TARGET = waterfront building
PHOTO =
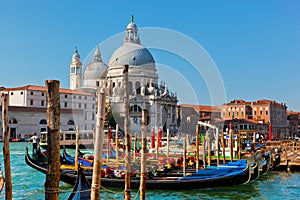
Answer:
(189, 115)
(293, 123)
(27, 103)
(144, 90)
(28, 114)
(263, 112)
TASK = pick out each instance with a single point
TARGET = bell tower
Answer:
(75, 71)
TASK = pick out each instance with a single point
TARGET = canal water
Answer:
(29, 184)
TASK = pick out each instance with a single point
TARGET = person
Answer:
(34, 139)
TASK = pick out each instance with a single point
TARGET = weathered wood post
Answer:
(143, 156)
(239, 144)
(6, 151)
(217, 146)
(98, 145)
(134, 148)
(127, 195)
(223, 147)
(204, 153)
(156, 147)
(77, 148)
(207, 138)
(184, 156)
(117, 143)
(53, 139)
(197, 147)
(231, 142)
(168, 142)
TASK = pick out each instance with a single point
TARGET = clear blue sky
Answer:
(255, 44)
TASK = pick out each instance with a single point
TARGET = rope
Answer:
(111, 191)
(80, 191)
(49, 191)
(137, 193)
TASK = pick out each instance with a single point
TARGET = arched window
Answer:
(71, 122)
(138, 87)
(12, 121)
(43, 121)
(135, 108)
(130, 87)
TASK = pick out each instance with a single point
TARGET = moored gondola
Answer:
(203, 180)
(82, 187)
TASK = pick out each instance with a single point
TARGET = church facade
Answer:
(27, 106)
(144, 88)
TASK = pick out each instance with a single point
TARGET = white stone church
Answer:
(27, 112)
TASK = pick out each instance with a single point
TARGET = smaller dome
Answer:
(95, 71)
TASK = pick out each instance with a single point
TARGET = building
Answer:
(262, 112)
(189, 116)
(27, 103)
(293, 123)
(144, 90)
(27, 110)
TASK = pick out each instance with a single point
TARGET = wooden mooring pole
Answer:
(6, 151)
(98, 145)
(231, 142)
(184, 156)
(217, 146)
(77, 148)
(117, 143)
(53, 139)
(223, 147)
(197, 147)
(143, 156)
(207, 138)
(204, 153)
(168, 142)
(127, 195)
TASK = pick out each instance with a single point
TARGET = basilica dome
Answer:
(132, 54)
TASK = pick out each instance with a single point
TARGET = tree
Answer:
(109, 117)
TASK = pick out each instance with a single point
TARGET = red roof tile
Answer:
(42, 88)
(201, 108)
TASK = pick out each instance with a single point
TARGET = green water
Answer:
(29, 184)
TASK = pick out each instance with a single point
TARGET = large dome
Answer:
(132, 54)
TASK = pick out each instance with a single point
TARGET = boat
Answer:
(82, 187)
(68, 139)
(220, 178)
(2, 180)
(66, 160)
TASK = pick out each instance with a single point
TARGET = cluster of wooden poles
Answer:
(53, 139)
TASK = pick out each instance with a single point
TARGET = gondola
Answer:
(2, 179)
(168, 183)
(82, 188)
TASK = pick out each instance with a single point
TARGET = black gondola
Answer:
(203, 180)
(82, 188)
